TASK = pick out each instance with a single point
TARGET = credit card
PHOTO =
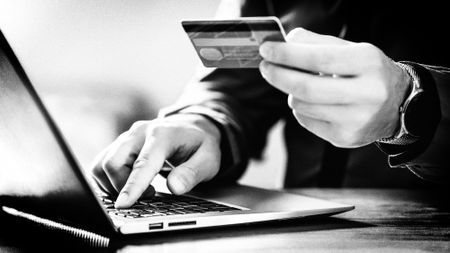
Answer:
(232, 43)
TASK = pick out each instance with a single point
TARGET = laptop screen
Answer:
(38, 174)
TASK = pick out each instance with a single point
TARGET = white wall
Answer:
(129, 43)
(78, 52)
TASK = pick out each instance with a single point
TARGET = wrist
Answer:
(422, 117)
(410, 124)
(402, 92)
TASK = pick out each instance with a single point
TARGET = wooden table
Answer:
(383, 221)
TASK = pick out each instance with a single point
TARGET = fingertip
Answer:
(263, 68)
(177, 184)
(266, 49)
(263, 48)
(123, 201)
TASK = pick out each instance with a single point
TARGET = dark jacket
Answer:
(245, 106)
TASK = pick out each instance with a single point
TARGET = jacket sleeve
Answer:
(428, 157)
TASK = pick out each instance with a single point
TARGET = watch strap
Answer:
(402, 136)
(400, 154)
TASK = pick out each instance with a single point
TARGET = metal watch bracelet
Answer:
(402, 136)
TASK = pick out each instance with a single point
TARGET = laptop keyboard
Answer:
(165, 204)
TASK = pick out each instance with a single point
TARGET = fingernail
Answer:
(122, 200)
(265, 49)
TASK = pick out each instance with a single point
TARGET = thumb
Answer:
(202, 166)
(301, 35)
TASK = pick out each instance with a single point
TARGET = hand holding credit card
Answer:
(232, 43)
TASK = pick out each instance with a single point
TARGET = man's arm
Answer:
(355, 98)
(228, 110)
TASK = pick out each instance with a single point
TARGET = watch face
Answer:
(418, 114)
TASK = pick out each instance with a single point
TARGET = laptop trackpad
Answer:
(263, 200)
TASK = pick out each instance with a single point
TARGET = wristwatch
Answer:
(414, 112)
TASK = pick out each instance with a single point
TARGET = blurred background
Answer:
(101, 65)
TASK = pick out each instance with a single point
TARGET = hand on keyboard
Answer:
(129, 164)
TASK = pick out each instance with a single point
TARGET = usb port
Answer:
(154, 226)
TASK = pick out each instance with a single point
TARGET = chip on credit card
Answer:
(232, 43)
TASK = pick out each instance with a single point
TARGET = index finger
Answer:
(310, 88)
(342, 60)
(147, 165)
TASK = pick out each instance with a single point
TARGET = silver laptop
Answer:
(40, 176)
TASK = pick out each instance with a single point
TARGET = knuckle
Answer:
(143, 163)
(137, 128)
(159, 129)
(368, 48)
(131, 184)
(140, 163)
(138, 125)
(123, 136)
(372, 49)
(371, 52)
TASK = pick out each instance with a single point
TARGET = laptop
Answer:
(40, 176)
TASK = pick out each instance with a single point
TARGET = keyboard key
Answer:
(165, 204)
